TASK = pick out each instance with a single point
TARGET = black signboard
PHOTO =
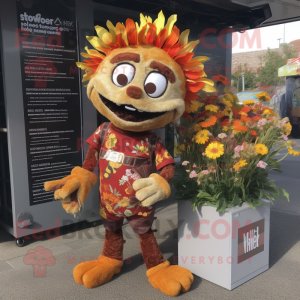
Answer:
(47, 39)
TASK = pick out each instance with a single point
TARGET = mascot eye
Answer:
(123, 74)
(155, 84)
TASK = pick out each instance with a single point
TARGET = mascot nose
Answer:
(134, 92)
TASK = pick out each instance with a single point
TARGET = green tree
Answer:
(273, 60)
(250, 78)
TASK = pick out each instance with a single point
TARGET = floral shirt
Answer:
(116, 179)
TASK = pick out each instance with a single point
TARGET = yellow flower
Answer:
(227, 103)
(229, 97)
(197, 127)
(212, 108)
(263, 96)
(194, 106)
(202, 136)
(214, 150)
(288, 128)
(111, 142)
(159, 159)
(240, 164)
(181, 148)
(124, 202)
(235, 98)
(269, 112)
(249, 102)
(293, 152)
(143, 214)
(291, 143)
(167, 155)
(225, 128)
(225, 112)
(261, 149)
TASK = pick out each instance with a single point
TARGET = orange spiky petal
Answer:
(172, 39)
(194, 75)
(151, 34)
(194, 86)
(120, 41)
(184, 58)
(141, 35)
(174, 49)
(131, 32)
(160, 39)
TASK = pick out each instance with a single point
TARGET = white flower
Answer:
(125, 178)
(127, 144)
(128, 172)
(222, 135)
(185, 163)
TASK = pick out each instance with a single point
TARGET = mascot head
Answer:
(143, 76)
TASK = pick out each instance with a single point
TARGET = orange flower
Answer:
(129, 190)
(219, 115)
(221, 78)
(210, 121)
(108, 197)
(245, 119)
(240, 125)
(254, 133)
(246, 109)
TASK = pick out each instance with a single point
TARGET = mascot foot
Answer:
(97, 272)
(171, 280)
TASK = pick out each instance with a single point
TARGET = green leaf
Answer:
(286, 194)
(111, 189)
(221, 205)
(127, 213)
(204, 195)
(236, 201)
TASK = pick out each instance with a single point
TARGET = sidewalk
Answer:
(281, 281)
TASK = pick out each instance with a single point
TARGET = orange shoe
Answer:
(97, 272)
(171, 280)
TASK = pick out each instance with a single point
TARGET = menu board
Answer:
(47, 39)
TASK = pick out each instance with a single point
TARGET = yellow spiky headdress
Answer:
(161, 35)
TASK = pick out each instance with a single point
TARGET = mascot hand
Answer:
(73, 189)
(152, 189)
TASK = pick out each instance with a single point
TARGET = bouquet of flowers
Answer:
(228, 149)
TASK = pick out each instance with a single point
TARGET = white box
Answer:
(212, 245)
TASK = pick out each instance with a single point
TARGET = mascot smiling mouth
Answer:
(129, 112)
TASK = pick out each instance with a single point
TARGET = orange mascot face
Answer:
(146, 76)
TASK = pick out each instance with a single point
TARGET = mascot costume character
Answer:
(141, 77)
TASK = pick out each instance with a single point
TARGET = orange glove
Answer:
(73, 189)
